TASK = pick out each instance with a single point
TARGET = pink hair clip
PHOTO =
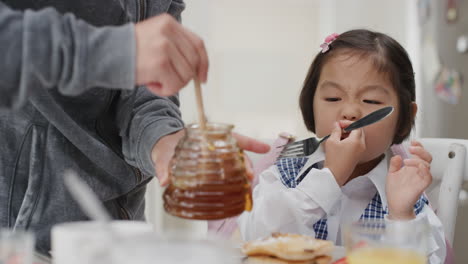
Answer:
(328, 40)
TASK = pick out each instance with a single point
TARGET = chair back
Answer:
(449, 172)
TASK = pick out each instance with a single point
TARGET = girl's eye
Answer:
(332, 99)
(371, 102)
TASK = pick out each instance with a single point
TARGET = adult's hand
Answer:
(162, 154)
(163, 151)
(168, 55)
(250, 144)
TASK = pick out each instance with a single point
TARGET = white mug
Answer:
(16, 246)
(91, 242)
(175, 248)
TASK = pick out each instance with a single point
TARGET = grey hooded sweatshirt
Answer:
(68, 101)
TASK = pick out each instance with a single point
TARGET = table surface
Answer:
(338, 252)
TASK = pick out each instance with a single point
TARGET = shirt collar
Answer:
(378, 175)
(317, 156)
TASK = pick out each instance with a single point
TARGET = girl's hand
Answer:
(342, 156)
(420, 155)
(406, 184)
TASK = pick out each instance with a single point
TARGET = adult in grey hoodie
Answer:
(68, 100)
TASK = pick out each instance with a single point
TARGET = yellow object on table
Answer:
(385, 256)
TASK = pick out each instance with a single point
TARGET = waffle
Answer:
(289, 247)
(273, 260)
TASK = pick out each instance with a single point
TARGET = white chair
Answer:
(449, 172)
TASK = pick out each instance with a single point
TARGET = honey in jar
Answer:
(208, 176)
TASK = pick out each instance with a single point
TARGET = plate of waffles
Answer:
(284, 248)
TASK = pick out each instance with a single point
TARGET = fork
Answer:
(308, 146)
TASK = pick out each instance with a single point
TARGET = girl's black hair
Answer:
(389, 58)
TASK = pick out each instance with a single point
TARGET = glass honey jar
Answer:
(208, 176)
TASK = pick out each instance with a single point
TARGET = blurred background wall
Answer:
(260, 52)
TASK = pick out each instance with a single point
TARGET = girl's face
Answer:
(350, 88)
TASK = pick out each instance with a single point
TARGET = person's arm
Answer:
(277, 208)
(151, 126)
(46, 49)
(143, 119)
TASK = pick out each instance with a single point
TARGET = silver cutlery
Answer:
(308, 146)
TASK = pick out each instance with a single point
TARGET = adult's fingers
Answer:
(185, 46)
(248, 167)
(182, 67)
(251, 144)
(169, 79)
(199, 45)
(162, 173)
(168, 55)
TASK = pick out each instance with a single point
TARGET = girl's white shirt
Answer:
(278, 208)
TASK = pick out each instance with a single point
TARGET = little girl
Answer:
(353, 175)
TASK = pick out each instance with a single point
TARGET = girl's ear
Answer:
(414, 109)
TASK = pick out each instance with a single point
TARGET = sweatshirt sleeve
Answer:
(176, 8)
(143, 119)
(278, 208)
(46, 49)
